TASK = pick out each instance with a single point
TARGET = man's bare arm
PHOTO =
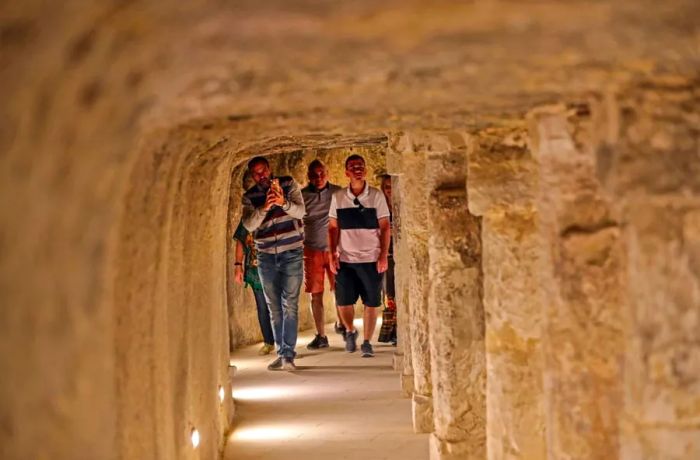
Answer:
(384, 239)
(238, 272)
(333, 235)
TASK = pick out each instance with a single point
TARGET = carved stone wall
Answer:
(455, 309)
(502, 187)
(121, 124)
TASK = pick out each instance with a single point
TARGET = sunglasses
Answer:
(357, 203)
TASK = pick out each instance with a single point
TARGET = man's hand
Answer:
(382, 263)
(272, 200)
(238, 274)
(334, 263)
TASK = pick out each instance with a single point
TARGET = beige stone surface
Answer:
(580, 270)
(455, 309)
(337, 405)
(502, 185)
(652, 170)
(401, 280)
(411, 266)
(121, 124)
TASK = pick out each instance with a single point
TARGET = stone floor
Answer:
(336, 406)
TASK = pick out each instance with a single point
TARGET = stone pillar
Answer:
(456, 315)
(402, 359)
(650, 163)
(580, 270)
(412, 267)
(501, 186)
(402, 356)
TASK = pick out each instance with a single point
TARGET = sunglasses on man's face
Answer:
(357, 203)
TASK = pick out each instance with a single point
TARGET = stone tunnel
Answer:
(546, 165)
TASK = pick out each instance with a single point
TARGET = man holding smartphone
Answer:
(272, 212)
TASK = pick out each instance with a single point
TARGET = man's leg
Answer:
(317, 310)
(371, 293)
(345, 297)
(264, 317)
(369, 320)
(313, 284)
(347, 316)
(270, 278)
(339, 325)
(292, 276)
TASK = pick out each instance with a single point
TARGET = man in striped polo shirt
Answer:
(272, 213)
(358, 235)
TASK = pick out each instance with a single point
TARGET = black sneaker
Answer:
(340, 329)
(351, 341)
(366, 349)
(288, 364)
(275, 365)
(318, 342)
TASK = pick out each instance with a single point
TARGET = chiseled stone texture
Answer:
(394, 166)
(650, 163)
(502, 188)
(403, 313)
(414, 262)
(580, 270)
(114, 113)
(456, 312)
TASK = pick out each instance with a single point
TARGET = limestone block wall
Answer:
(412, 262)
(403, 361)
(580, 267)
(68, 141)
(170, 310)
(121, 123)
(649, 161)
(455, 308)
(502, 187)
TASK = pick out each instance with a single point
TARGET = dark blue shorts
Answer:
(358, 280)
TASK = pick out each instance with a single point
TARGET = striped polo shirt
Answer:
(359, 223)
(279, 229)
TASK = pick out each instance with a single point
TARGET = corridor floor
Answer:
(336, 406)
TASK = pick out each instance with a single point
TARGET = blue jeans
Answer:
(281, 275)
(264, 316)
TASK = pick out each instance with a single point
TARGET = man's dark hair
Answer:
(257, 160)
(384, 177)
(313, 165)
(354, 156)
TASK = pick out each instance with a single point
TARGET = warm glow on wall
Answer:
(267, 433)
(195, 438)
(222, 394)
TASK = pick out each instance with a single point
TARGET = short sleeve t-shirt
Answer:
(317, 203)
(358, 220)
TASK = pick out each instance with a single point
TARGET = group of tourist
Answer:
(287, 234)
